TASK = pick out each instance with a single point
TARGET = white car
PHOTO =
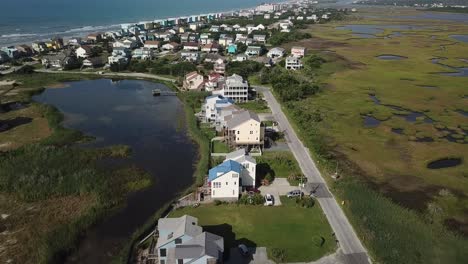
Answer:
(269, 201)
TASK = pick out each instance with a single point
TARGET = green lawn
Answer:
(280, 164)
(220, 147)
(256, 106)
(288, 227)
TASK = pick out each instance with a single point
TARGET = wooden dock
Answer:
(158, 92)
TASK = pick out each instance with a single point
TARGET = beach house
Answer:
(181, 240)
(193, 81)
(236, 88)
(84, 51)
(276, 52)
(248, 174)
(224, 180)
(244, 129)
(298, 52)
(212, 105)
(293, 63)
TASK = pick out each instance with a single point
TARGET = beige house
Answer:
(244, 129)
(193, 81)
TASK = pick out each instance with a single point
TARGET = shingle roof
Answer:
(240, 156)
(184, 225)
(240, 117)
(224, 168)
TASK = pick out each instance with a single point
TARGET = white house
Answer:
(293, 63)
(170, 46)
(248, 175)
(83, 52)
(143, 53)
(241, 57)
(119, 59)
(182, 240)
(219, 66)
(224, 180)
(192, 56)
(152, 44)
(298, 52)
(253, 51)
(277, 52)
(236, 88)
(212, 104)
(259, 38)
(193, 81)
(192, 46)
(125, 43)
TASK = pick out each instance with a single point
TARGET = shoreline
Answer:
(82, 31)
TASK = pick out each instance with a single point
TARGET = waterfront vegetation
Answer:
(305, 233)
(257, 106)
(410, 221)
(50, 190)
(219, 147)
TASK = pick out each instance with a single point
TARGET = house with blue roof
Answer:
(224, 180)
(232, 49)
(212, 106)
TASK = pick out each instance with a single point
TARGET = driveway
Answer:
(257, 256)
(279, 187)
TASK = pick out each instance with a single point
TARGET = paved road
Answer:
(114, 74)
(351, 246)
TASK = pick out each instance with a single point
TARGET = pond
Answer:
(444, 163)
(456, 72)
(391, 57)
(370, 121)
(462, 38)
(125, 112)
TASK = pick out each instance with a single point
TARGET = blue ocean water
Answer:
(33, 20)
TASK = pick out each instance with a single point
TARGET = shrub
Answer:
(218, 202)
(278, 254)
(255, 199)
(306, 202)
(318, 241)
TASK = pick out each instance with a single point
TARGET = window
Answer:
(226, 183)
(180, 261)
(234, 183)
(178, 241)
(162, 252)
(238, 132)
(251, 132)
(216, 185)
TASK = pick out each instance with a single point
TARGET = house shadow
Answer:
(231, 253)
(262, 170)
(12, 123)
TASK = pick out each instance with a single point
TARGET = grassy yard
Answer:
(256, 106)
(280, 164)
(220, 147)
(331, 124)
(294, 229)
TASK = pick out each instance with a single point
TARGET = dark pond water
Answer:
(455, 72)
(125, 112)
(444, 163)
(439, 16)
(428, 86)
(462, 112)
(398, 131)
(370, 121)
(462, 38)
(391, 57)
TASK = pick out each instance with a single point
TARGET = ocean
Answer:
(34, 20)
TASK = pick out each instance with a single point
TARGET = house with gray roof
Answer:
(243, 129)
(182, 240)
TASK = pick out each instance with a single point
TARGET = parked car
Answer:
(269, 200)
(294, 193)
(243, 250)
